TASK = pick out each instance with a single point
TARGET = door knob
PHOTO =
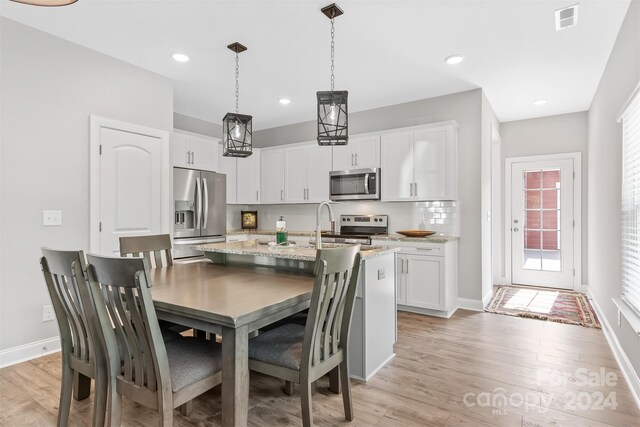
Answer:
(516, 229)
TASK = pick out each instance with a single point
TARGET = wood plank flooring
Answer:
(454, 372)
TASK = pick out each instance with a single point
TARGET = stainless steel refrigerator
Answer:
(200, 210)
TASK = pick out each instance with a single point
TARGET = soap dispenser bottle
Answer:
(281, 231)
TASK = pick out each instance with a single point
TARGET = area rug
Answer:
(545, 304)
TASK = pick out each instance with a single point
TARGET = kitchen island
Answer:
(373, 326)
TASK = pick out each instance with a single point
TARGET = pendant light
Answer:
(236, 127)
(333, 121)
(46, 2)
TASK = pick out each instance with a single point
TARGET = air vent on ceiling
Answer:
(567, 17)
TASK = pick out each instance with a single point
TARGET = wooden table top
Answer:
(224, 294)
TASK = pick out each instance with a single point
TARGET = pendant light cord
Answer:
(238, 81)
(332, 54)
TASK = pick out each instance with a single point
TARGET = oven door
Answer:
(358, 184)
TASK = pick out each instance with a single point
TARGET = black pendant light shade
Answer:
(333, 114)
(236, 127)
(236, 135)
(333, 118)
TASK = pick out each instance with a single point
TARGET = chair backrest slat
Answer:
(67, 289)
(332, 302)
(128, 319)
(151, 247)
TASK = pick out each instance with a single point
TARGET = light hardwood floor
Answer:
(438, 362)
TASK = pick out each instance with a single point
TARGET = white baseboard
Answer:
(470, 304)
(25, 352)
(623, 361)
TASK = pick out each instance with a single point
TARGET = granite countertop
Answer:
(300, 252)
(436, 238)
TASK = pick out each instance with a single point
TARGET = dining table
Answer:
(232, 301)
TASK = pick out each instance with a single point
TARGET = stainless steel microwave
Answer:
(355, 184)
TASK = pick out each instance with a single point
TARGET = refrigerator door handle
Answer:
(198, 203)
(205, 204)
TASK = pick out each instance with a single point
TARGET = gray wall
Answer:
(192, 124)
(49, 89)
(620, 76)
(565, 133)
(489, 123)
(465, 108)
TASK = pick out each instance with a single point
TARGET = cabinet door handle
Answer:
(352, 162)
(188, 157)
(281, 195)
(356, 159)
(411, 189)
(407, 266)
(415, 188)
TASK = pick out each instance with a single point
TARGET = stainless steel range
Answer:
(358, 229)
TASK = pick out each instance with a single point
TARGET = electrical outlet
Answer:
(50, 218)
(47, 313)
(381, 274)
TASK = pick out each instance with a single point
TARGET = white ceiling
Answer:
(387, 52)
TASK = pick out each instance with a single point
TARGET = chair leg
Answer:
(334, 380)
(66, 387)
(100, 398)
(305, 399)
(185, 409)
(288, 388)
(115, 405)
(81, 386)
(346, 390)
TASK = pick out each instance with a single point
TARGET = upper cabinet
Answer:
(362, 152)
(272, 175)
(248, 179)
(307, 170)
(420, 164)
(194, 151)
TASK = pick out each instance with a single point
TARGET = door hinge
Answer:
(100, 226)
(100, 149)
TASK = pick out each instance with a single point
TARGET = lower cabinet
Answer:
(427, 278)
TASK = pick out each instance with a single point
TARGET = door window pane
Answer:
(541, 213)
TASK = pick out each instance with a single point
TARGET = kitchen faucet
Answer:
(331, 218)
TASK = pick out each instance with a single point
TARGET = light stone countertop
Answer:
(300, 252)
(436, 238)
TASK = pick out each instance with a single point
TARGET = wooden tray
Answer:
(416, 233)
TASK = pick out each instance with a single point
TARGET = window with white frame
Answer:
(630, 118)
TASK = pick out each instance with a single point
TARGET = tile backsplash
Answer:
(440, 216)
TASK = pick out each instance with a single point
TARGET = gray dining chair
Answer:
(152, 247)
(69, 292)
(302, 354)
(156, 249)
(143, 368)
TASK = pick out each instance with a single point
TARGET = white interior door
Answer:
(130, 180)
(542, 223)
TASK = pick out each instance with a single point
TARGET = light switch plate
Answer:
(51, 218)
(381, 274)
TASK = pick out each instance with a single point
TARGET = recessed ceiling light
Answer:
(284, 101)
(180, 57)
(454, 59)
(540, 102)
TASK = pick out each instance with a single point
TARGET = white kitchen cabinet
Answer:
(248, 179)
(427, 277)
(360, 153)
(194, 151)
(227, 166)
(272, 175)
(296, 173)
(423, 164)
(307, 170)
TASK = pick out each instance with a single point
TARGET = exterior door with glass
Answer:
(542, 223)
